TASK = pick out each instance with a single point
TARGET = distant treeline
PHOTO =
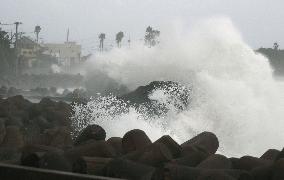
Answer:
(276, 59)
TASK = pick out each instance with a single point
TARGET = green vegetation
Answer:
(151, 36)
(276, 58)
(118, 38)
(7, 54)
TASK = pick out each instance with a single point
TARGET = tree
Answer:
(102, 37)
(7, 54)
(118, 38)
(151, 36)
(275, 46)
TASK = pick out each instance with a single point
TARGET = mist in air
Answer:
(234, 93)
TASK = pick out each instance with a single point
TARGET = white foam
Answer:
(233, 91)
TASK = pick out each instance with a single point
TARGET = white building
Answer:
(68, 53)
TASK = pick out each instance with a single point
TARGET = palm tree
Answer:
(102, 37)
(275, 46)
(151, 36)
(119, 37)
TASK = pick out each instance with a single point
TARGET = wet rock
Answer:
(91, 149)
(2, 130)
(280, 155)
(177, 93)
(121, 168)
(191, 159)
(215, 175)
(177, 172)
(173, 146)
(58, 137)
(155, 155)
(14, 138)
(135, 139)
(91, 132)
(216, 161)
(248, 163)
(278, 170)
(270, 154)
(116, 143)
(262, 172)
(91, 165)
(9, 154)
(55, 161)
(206, 141)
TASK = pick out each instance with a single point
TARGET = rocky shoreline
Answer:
(39, 135)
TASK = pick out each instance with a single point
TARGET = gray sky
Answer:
(261, 22)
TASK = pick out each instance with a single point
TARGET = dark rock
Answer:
(90, 165)
(248, 163)
(177, 172)
(91, 132)
(14, 137)
(270, 154)
(116, 143)
(216, 161)
(9, 154)
(121, 168)
(2, 130)
(173, 146)
(262, 172)
(206, 141)
(192, 158)
(135, 139)
(155, 155)
(54, 161)
(278, 170)
(215, 175)
(31, 159)
(15, 121)
(280, 155)
(141, 97)
(58, 137)
(91, 149)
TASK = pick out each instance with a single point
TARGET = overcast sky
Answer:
(261, 22)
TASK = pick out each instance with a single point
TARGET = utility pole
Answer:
(16, 47)
(37, 30)
(17, 27)
(67, 39)
(129, 41)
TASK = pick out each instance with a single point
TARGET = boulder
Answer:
(206, 141)
(91, 132)
(14, 137)
(135, 139)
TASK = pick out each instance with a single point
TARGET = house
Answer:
(27, 51)
(68, 53)
(32, 59)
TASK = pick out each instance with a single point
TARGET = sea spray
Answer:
(233, 91)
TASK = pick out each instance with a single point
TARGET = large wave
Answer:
(233, 93)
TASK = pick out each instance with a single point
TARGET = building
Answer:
(68, 53)
(31, 57)
(27, 51)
